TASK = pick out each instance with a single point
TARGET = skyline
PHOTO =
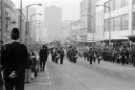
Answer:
(70, 8)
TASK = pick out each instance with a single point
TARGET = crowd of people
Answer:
(57, 54)
(72, 54)
(122, 54)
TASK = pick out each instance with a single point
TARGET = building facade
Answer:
(88, 18)
(9, 19)
(118, 19)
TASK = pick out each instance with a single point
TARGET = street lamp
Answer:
(27, 17)
(109, 10)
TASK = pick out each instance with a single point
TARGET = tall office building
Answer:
(88, 18)
(53, 22)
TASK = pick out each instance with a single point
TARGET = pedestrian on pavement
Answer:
(56, 56)
(14, 59)
(33, 68)
(28, 69)
(1, 79)
(61, 55)
(52, 54)
(43, 57)
(90, 54)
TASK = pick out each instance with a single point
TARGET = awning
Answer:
(132, 38)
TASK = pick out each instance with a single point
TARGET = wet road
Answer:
(81, 77)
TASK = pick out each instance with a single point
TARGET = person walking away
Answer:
(43, 57)
(61, 55)
(56, 56)
(90, 55)
(14, 60)
(33, 68)
(28, 69)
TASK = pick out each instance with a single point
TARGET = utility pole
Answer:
(21, 20)
(1, 22)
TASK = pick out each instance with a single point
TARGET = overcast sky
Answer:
(71, 9)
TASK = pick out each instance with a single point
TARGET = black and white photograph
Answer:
(67, 44)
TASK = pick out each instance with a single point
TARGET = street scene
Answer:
(67, 44)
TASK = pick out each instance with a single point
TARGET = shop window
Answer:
(117, 23)
(124, 22)
(133, 22)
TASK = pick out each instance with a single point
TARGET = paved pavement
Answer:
(123, 71)
(82, 76)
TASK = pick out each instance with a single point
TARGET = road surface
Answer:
(82, 76)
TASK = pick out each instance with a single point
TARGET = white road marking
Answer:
(44, 83)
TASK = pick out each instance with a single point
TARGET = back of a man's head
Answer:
(15, 34)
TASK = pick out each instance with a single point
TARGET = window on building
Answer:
(133, 21)
(113, 2)
(124, 22)
(118, 4)
(111, 5)
(106, 24)
(111, 24)
(117, 23)
(124, 3)
(133, 2)
(106, 9)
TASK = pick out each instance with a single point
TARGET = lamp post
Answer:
(21, 18)
(27, 17)
(109, 10)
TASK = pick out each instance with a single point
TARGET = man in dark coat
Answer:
(14, 59)
(61, 52)
(90, 54)
(1, 79)
(43, 57)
